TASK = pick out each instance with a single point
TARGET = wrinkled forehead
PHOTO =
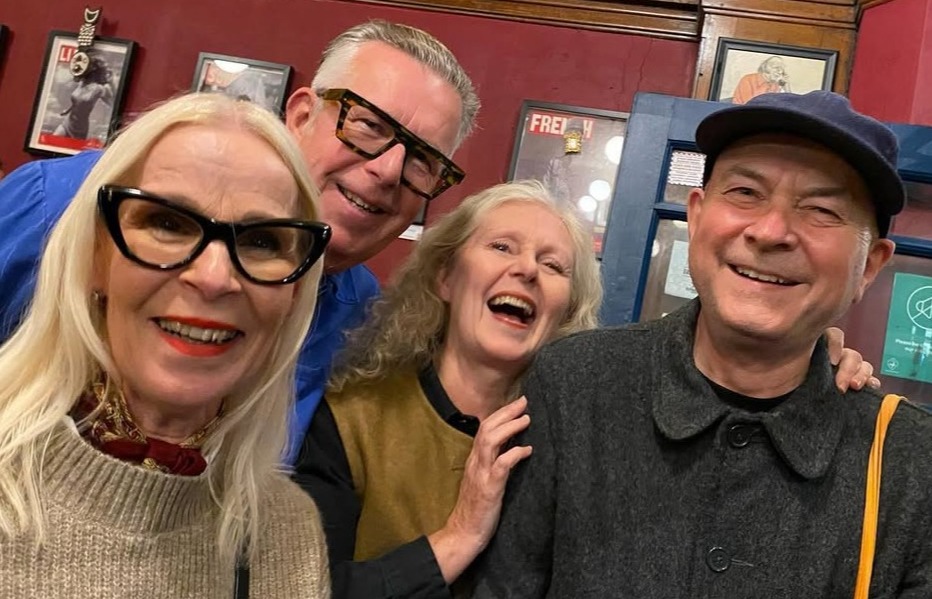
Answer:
(782, 154)
(225, 171)
(797, 153)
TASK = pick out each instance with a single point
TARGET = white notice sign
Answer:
(686, 168)
(679, 283)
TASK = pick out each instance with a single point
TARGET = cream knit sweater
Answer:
(117, 530)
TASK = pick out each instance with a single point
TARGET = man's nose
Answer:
(388, 167)
(774, 228)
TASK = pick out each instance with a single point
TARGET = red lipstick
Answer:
(198, 349)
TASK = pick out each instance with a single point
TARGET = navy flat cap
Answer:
(868, 145)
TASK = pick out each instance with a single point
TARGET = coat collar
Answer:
(805, 429)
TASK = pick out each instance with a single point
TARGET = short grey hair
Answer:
(418, 44)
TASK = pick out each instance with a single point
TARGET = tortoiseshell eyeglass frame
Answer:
(450, 174)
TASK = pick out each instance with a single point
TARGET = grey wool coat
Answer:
(643, 484)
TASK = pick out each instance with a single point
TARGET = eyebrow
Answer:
(516, 236)
(744, 171)
(186, 203)
(829, 191)
(383, 114)
(838, 191)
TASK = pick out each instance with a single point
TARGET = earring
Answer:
(99, 298)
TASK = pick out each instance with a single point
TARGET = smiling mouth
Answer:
(197, 335)
(357, 201)
(747, 273)
(513, 308)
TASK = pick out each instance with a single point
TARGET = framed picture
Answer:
(575, 152)
(3, 30)
(746, 69)
(73, 113)
(265, 83)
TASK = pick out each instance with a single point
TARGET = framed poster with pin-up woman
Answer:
(78, 104)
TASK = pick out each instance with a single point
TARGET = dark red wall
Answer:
(922, 106)
(892, 76)
(508, 61)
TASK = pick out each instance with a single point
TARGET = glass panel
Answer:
(916, 218)
(684, 174)
(892, 328)
(668, 283)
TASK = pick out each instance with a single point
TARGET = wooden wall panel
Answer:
(670, 19)
(822, 24)
(828, 26)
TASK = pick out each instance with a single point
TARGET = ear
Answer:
(694, 208)
(880, 252)
(299, 110)
(103, 254)
(443, 286)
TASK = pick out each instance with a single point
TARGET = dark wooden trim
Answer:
(671, 19)
(865, 4)
(823, 13)
(844, 23)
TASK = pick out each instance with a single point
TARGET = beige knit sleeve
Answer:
(292, 560)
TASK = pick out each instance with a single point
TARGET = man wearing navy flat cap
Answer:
(708, 454)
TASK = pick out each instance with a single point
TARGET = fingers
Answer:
(498, 427)
(490, 439)
(509, 411)
(510, 459)
(851, 370)
(863, 377)
(835, 338)
(855, 373)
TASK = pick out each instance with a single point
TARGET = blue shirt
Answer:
(34, 196)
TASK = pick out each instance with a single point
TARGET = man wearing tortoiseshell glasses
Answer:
(377, 128)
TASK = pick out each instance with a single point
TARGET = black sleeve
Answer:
(518, 561)
(323, 471)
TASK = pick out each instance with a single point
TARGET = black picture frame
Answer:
(3, 34)
(540, 152)
(69, 113)
(745, 68)
(265, 83)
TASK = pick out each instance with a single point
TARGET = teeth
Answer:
(761, 277)
(358, 201)
(193, 333)
(513, 301)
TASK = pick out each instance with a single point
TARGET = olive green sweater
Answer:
(407, 463)
(117, 530)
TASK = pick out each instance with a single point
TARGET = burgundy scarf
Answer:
(108, 426)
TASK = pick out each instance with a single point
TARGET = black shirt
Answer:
(745, 402)
(323, 471)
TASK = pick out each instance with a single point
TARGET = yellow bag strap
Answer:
(872, 497)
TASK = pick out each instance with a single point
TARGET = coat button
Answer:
(740, 435)
(718, 559)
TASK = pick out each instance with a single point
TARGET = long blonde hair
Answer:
(406, 326)
(60, 347)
